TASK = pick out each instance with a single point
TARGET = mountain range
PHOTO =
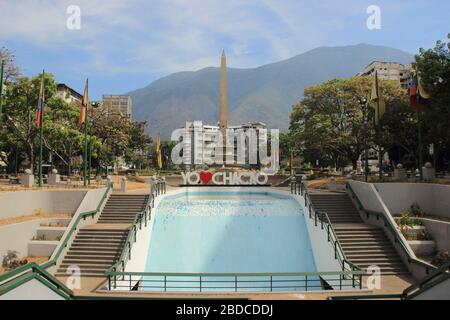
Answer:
(265, 93)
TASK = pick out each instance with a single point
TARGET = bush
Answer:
(405, 219)
(416, 210)
(441, 258)
(10, 260)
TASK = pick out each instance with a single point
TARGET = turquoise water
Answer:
(229, 233)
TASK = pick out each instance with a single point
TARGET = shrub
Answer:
(416, 210)
(405, 219)
(441, 258)
(10, 260)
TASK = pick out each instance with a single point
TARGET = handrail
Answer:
(144, 215)
(83, 216)
(230, 274)
(8, 283)
(63, 243)
(412, 291)
(232, 281)
(331, 233)
(429, 281)
(393, 229)
(112, 273)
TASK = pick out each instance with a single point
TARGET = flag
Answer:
(40, 112)
(377, 101)
(418, 97)
(158, 153)
(84, 105)
(413, 95)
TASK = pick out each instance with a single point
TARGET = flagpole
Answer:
(1, 90)
(380, 159)
(41, 131)
(90, 160)
(419, 125)
(85, 147)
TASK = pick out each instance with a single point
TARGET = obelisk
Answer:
(223, 121)
(223, 94)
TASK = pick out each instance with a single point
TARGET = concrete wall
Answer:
(434, 199)
(16, 236)
(439, 231)
(89, 203)
(14, 204)
(31, 290)
(372, 201)
(439, 292)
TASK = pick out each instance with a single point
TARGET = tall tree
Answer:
(327, 123)
(433, 66)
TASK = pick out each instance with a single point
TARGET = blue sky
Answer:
(126, 44)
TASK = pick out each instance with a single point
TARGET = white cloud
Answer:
(164, 36)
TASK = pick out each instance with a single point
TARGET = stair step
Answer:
(99, 247)
(82, 266)
(370, 260)
(77, 261)
(362, 239)
(101, 238)
(99, 251)
(92, 256)
(84, 270)
(99, 241)
(101, 231)
(85, 275)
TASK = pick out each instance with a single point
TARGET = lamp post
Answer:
(364, 106)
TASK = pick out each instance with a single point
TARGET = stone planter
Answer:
(50, 233)
(413, 232)
(423, 248)
(41, 248)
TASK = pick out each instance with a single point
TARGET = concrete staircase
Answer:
(122, 208)
(364, 245)
(94, 251)
(98, 246)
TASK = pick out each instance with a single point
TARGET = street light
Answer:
(364, 106)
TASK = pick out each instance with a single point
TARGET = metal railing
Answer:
(20, 275)
(393, 230)
(230, 282)
(158, 187)
(23, 272)
(436, 277)
(322, 218)
(118, 279)
(423, 285)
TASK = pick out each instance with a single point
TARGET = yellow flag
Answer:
(377, 101)
(84, 105)
(423, 94)
(158, 153)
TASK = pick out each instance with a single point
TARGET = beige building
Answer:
(390, 71)
(68, 94)
(118, 105)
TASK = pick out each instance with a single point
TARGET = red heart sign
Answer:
(205, 177)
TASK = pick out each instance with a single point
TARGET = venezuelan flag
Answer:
(40, 112)
(418, 97)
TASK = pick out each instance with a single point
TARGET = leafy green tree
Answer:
(328, 122)
(433, 66)
(62, 137)
(20, 112)
(11, 70)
